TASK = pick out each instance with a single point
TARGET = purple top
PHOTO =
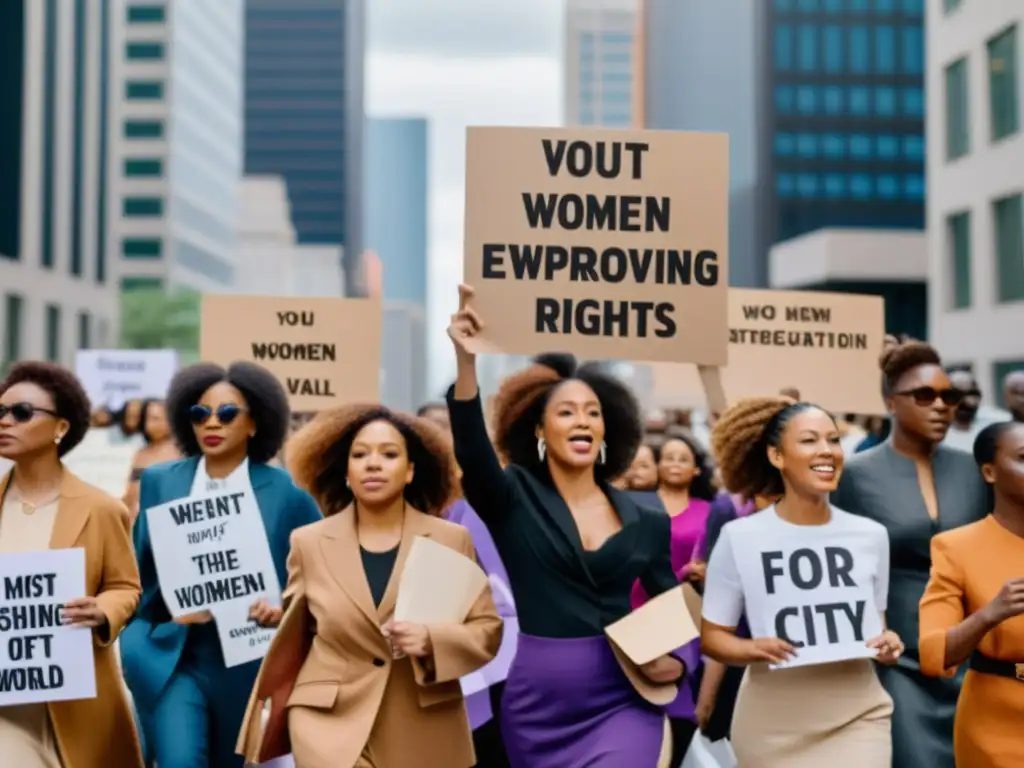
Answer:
(687, 530)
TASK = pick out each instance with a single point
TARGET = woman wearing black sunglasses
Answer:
(44, 414)
(916, 487)
(229, 423)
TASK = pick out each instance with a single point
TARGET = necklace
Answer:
(28, 508)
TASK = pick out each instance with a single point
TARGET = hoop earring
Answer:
(542, 448)
(602, 455)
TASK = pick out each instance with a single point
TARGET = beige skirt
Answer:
(836, 715)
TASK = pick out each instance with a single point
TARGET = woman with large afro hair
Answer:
(573, 546)
(229, 422)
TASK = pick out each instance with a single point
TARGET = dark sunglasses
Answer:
(23, 412)
(928, 395)
(200, 414)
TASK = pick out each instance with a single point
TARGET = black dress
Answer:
(882, 484)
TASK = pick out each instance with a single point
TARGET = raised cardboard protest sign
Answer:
(825, 345)
(607, 244)
(112, 377)
(41, 659)
(326, 352)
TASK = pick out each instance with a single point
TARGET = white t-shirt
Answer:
(823, 587)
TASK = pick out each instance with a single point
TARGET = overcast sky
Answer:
(460, 63)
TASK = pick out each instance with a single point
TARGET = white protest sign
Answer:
(42, 660)
(241, 639)
(211, 551)
(813, 586)
(112, 377)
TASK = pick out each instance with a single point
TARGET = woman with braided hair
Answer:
(835, 713)
(916, 487)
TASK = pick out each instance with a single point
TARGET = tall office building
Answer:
(176, 142)
(304, 115)
(600, 62)
(698, 63)
(57, 284)
(975, 205)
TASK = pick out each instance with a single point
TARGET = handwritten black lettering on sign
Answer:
(574, 212)
(30, 652)
(220, 581)
(777, 337)
(315, 352)
(807, 569)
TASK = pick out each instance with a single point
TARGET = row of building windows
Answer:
(620, 96)
(144, 129)
(144, 51)
(857, 146)
(142, 207)
(1008, 237)
(14, 325)
(858, 101)
(610, 118)
(855, 186)
(1003, 95)
(143, 90)
(589, 39)
(909, 7)
(144, 167)
(146, 13)
(858, 49)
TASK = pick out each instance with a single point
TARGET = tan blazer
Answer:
(328, 688)
(100, 731)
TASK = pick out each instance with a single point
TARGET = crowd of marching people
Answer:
(580, 508)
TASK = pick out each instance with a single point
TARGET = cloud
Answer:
(454, 93)
(466, 28)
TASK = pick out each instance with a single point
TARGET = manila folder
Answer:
(438, 585)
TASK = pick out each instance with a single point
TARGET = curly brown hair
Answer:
(902, 355)
(70, 400)
(519, 408)
(740, 441)
(317, 457)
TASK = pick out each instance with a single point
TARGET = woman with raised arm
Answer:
(973, 610)
(572, 546)
(44, 414)
(833, 714)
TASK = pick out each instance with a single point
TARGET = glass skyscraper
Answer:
(599, 66)
(844, 111)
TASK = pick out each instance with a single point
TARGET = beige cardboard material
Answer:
(438, 585)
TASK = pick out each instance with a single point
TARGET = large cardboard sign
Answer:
(825, 345)
(326, 352)
(607, 244)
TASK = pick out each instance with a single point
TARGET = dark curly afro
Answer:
(521, 400)
(318, 458)
(264, 397)
(69, 398)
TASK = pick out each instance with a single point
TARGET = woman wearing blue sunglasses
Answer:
(229, 424)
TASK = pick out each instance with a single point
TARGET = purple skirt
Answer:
(568, 704)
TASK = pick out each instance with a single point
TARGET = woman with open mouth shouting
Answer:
(572, 545)
(228, 423)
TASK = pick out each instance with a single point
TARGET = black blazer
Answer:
(561, 590)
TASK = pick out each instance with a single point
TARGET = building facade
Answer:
(58, 284)
(304, 115)
(176, 143)
(680, 44)
(600, 62)
(976, 186)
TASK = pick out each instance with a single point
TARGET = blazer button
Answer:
(378, 662)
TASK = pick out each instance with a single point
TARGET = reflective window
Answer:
(912, 52)
(885, 49)
(859, 54)
(137, 207)
(958, 128)
(887, 146)
(143, 90)
(833, 6)
(860, 101)
(143, 167)
(144, 51)
(885, 6)
(885, 101)
(785, 144)
(143, 129)
(783, 5)
(806, 99)
(833, 100)
(888, 186)
(808, 47)
(860, 146)
(913, 147)
(1003, 88)
(142, 247)
(807, 145)
(860, 185)
(808, 6)
(807, 185)
(205, 222)
(784, 98)
(833, 145)
(785, 184)
(835, 185)
(783, 47)
(617, 38)
(913, 102)
(145, 14)
(833, 47)
(914, 186)
(859, 6)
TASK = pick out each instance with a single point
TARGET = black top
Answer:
(561, 590)
(378, 567)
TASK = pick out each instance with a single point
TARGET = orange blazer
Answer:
(329, 691)
(100, 731)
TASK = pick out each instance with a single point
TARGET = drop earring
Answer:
(602, 455)
(542, 448)
(57, 439)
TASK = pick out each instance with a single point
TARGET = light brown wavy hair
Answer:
(739, 442)
(318, 454)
